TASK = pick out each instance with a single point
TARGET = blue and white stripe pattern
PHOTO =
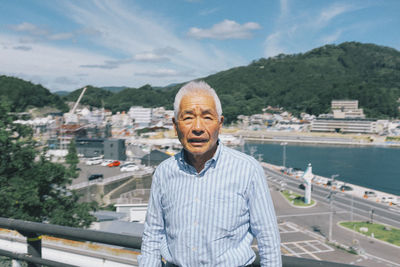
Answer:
(209, 218)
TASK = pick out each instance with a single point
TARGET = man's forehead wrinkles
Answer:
(198, 110)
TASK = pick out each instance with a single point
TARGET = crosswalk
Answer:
(302, 247)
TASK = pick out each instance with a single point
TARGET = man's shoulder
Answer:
(235, 155)
(167, 163)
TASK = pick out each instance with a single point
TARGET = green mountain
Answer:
(114, 89)
(299, 83)
(61, 93)
(93, 96)
(308, 82)
(21, 95)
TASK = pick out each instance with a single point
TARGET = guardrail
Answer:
(33, 231)
(140, 173)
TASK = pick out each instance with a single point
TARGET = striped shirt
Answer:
(210, 218)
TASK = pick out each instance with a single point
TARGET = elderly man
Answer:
(208, 201)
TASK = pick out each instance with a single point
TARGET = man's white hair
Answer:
(196, 87)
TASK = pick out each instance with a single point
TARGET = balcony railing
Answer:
(33, 232)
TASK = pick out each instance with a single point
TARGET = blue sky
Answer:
(65, 45)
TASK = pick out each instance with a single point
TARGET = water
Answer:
(373, 167)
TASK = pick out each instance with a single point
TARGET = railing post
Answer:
(34, 242)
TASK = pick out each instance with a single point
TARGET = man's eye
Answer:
(187, 118)
(208, 118)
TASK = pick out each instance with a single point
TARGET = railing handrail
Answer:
(128, 241)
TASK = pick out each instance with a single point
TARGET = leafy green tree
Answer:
(72, 158)
(31, 187)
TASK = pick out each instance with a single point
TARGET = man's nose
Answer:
(198, 127)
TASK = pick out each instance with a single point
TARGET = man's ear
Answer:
(175, 126)
(221, 121)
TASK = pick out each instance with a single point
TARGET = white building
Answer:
(142, 116)
(344, 125)
(346, 109)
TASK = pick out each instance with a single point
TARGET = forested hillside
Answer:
(298, 83)
(22, 95)
(308, 82)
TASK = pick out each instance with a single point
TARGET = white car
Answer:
(130, 168)
(106, 162)
(94, 161)
(388, 199)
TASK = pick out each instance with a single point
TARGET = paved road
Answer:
(314, 223)
(381, 212)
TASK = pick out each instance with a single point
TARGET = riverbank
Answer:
(357, 191)
(314, 138)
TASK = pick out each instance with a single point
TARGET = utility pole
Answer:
(330, 197)
(372, 216)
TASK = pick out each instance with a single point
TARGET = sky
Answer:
(65, 45)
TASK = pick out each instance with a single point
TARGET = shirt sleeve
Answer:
(153, 228)
(263, 223)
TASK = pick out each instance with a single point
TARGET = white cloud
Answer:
(23, 47)
(61, 36)
(128, 46)
(29, 28)
(273, 46)
(297, 32)
(331, 38)
(330, 13)
(162, 73)
(206, 12)
(227, 29)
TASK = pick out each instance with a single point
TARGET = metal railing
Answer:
(33, 231)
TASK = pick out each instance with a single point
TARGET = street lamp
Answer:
(330, 197)
(284, 154)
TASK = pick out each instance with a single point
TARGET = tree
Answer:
(72, 158)
(31, 187)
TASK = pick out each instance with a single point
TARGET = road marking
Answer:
(315, 245)
(306, 251)
(310, 214)
(381, 259)
(287, 227)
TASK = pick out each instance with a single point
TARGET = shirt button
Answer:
(194, 248)
(197, 200)
(196, 223)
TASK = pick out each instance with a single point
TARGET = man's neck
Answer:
(198, 161)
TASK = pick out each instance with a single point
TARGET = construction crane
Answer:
(70, 117)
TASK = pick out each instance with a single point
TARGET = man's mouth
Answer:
(197, 140)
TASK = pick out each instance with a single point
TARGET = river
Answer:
(373, 167)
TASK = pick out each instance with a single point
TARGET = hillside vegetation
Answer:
(298, 83)
(21, 95)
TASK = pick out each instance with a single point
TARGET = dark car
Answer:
(346, 188)
(95, 176)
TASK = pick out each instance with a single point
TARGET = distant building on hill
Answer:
(346, 109)
(346, 117)
(344, 125)
(142, 116)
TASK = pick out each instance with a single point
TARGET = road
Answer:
(313, 224)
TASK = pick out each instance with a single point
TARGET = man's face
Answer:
(198, 125)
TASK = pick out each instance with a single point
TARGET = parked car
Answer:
(346, 188)
(94, 161)
(370, 194)
(95, 176)
(106, 162)
(388, 199)
(130, 168)
(115, 163)
(126, 163)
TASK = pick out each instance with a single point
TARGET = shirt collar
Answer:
(210, 163)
